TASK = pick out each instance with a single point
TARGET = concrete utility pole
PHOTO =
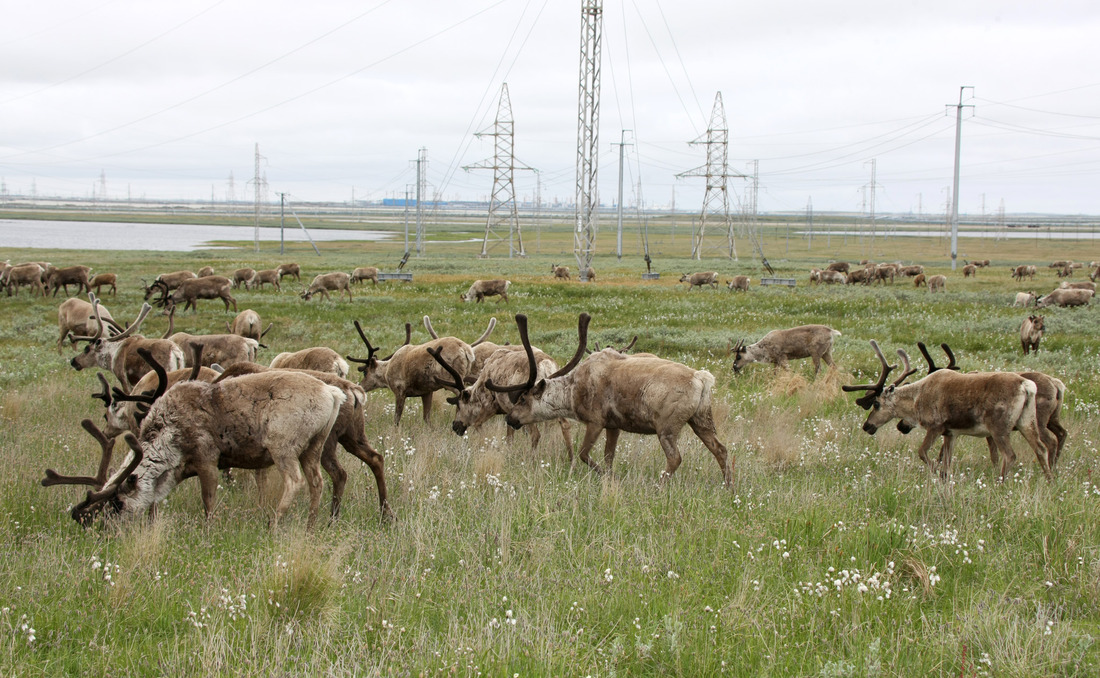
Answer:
(619, 240)
(421, 189)
(588, 132)
(955, 189)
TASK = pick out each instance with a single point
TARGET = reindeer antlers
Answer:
(521, 325)
(873, 390)
(437, 354)
(931, 365)
(106, 445)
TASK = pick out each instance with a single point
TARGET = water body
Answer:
(1007, 234)
(86, 235)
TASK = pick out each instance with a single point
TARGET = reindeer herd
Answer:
(194, 405)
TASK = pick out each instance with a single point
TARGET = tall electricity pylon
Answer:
(586, 222)
(502, 203)
(715, 233)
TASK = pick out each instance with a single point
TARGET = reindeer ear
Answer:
(453, 400)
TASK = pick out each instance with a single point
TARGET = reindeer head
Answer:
(880, 399)
(99, 349)
(471, 404)
(527, 398)
(740, 355)
(1036, 322)
(372, 368)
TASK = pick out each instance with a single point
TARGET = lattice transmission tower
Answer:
(503, 213)
(715, 232)
(586, 222)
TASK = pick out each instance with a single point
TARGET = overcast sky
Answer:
(168, 99)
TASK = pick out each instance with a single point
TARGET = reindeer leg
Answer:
(591, 432)
(945, 455)
(567, 433)
(362, 450)
(994, 454)
(611, 440)
(398, 407)
(929, 437)
(1034, 438)
(672, 455)
(427, 400)
(208, 485)
(336, 473)
(534, 434)
(705, 432)
(1008, 456)
(1060, 434)
(293, 479)
(817, 365)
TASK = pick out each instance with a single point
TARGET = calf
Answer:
(102, 279)
(739, 283)
(937, 283)
(1031, 332)
(1024, 299)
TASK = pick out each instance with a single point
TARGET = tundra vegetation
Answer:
(834, 553)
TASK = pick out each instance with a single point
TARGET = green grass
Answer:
(503, 562)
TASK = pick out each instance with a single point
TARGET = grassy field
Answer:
(835, 554)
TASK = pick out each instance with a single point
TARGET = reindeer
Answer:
(289, 269)
(613, 392)
(191, 290)
(1031, 333)
(29, 275)
(860, 275)
(1084, 285)
(325, 282)
(259, 278)
(950, 404)
(970, 271)
(560, 272)
(919, 280)
(167, 282)
(780, 346)
(487, 288)
(1095, 275)
(839, 267)
(1061, 263)
(318, 358)
(882, 272)
(699, 279)
(740, 283)
(104, 279)
(937, 283)
(119, 354)
(77, 317)
(365, 273)
(348, 431)
(206, 271)
(281, 419)
(1023, 270)
(1065, 298)
(911, 271)
(1065, 271)
(57, 278)
(410, 372)
(223, 349)
(241, 277)
(1050, 393)
(589, 274)
(833, 277)
(815, 276)
(1024, 299)
(248, 324)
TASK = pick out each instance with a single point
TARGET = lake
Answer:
(86, 235)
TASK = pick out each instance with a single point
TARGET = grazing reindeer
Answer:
(949, 404)
(29, 275)
(1084, 285)
(1022, 271)
(780, 346)
(280, 418)
(613, 392)
(365, 273)
(318, 358)
(911, 271)
(125, 412)
(860, 275)
(191, 290)
(242, 276)
(487, 288)
(104, 279)
(937, 283)
(260, 278)
(970, 270)
(740, 283)
(410, 372)
(167, 282)
(476, 404)
(77, 317)
(699, 279)
(1065, 298)
(1050, 393)
(1024, 299)
(119, 354)
(919, 280)
(326, 282)
(206, 271)
(248, 324)
(289, 269)
(1031, 333)
(839, 267)
(57, 278)
(560, 272)
(348, 431)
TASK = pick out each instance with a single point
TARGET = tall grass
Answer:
(835, 554)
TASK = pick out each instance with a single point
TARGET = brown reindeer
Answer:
(248, 324)
(950, 404)
(1065, 298)
(699, 279)
(268, 276)
(291, 270)
(167, 281)
(101, 280)
(780, 346)
(970, 271)
(839, 266)
(57, 278)
(191, 290)
(119, 355)
(612, 392)
(28, 275)
(740, 283)
(76, 317)
(326, 282)
(1031, 333)
(365, 273)
(560, 272)
(937, 283)
(205, 271)
(223, 349)
(318, 358)
(241, 276)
